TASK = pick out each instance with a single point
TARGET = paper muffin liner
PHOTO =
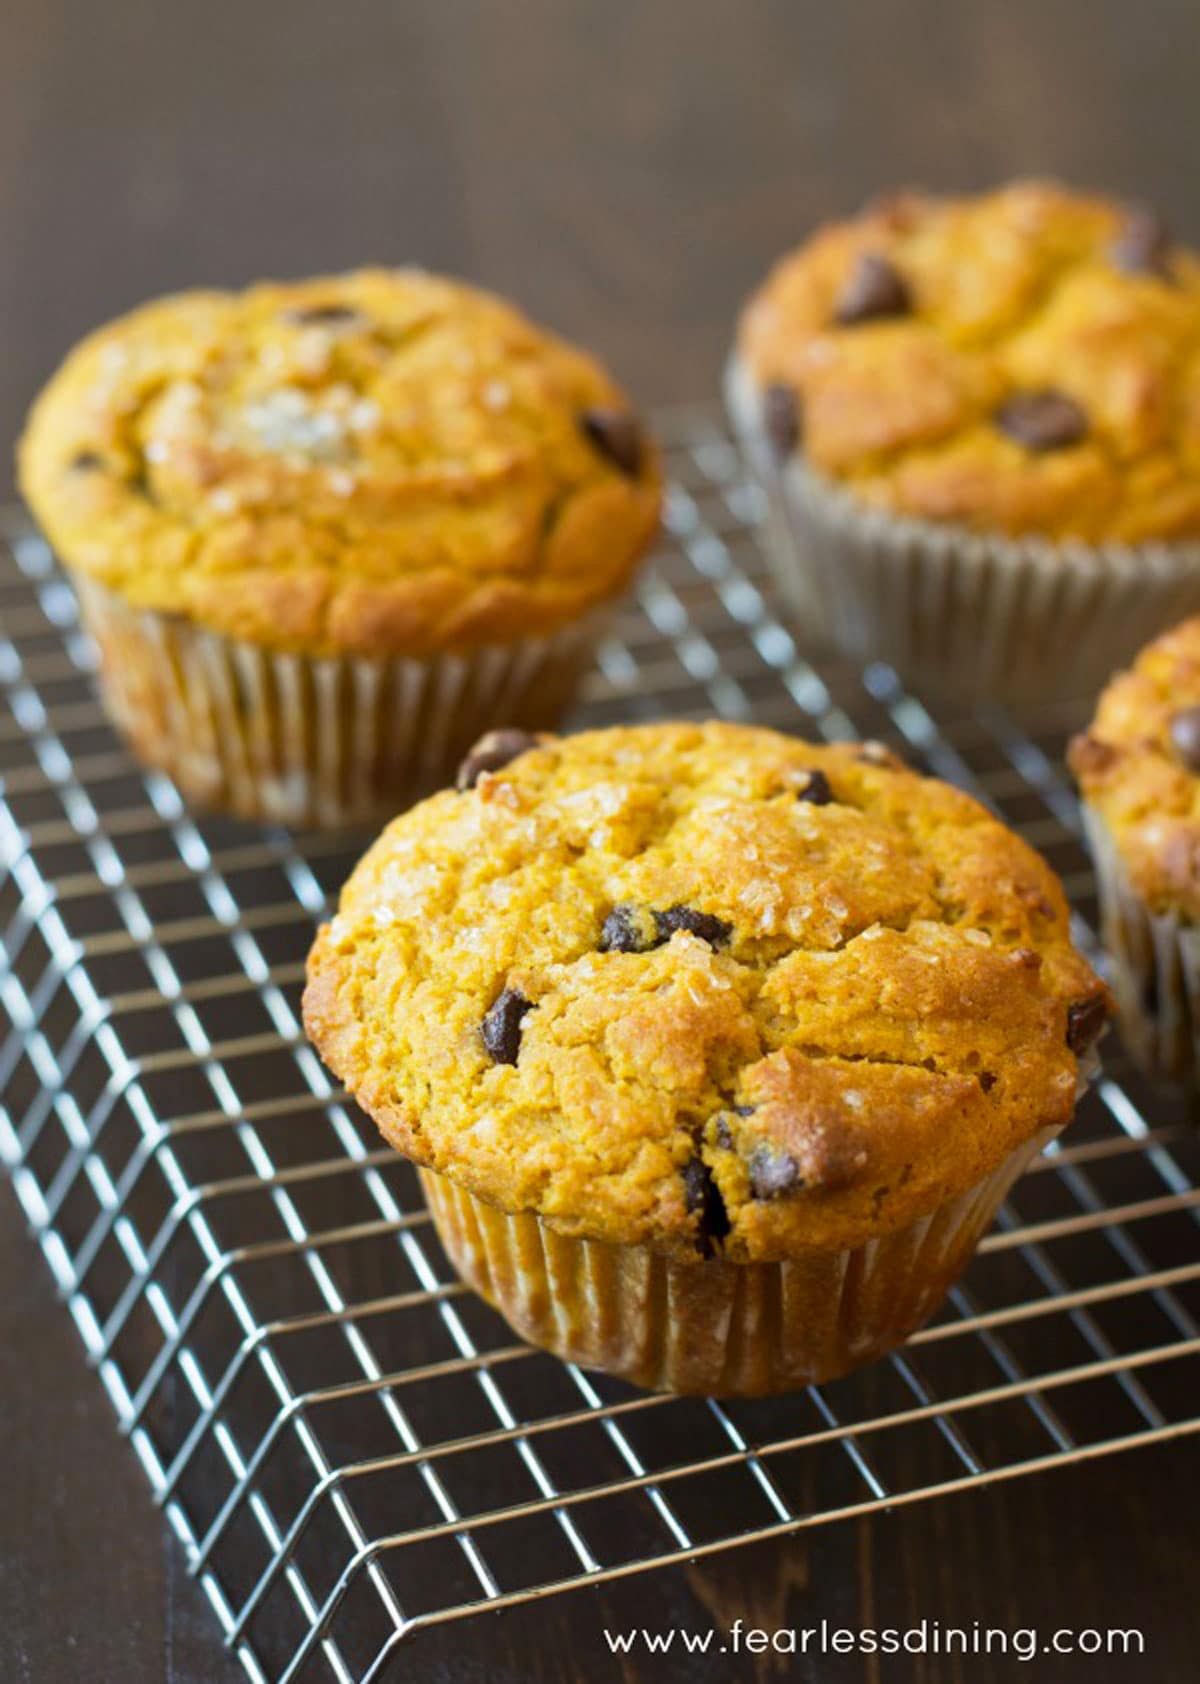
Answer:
(300, 740)
(970, 617)
(1155, 967)
(710, 1327)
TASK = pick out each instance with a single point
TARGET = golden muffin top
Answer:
(1138, 766)
(377, 463)
(1026, 361)
(705, 987)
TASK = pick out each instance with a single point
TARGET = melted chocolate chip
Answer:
(491, 754)
(617, 435)
(1143, 245)
(636, 929)
(772, 1172)
(323, 315)
(873, 289)
(502, 1026)
(1185, 737)
(695, 1184)
(1045, 420)
(781, 418)
(722, 1133)
(628, 929)
(1085, 1020)
(816, 790)
(703, 1198)
(987, 1080)
(703, 925)
(86, 462)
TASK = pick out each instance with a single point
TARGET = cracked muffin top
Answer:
(375, 463)
(1138, 766)
(705, 987)
(1026, 361)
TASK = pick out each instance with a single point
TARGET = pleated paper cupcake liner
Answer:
(1155, 967)
(303, 741)
(710, 1327)
(961, 615)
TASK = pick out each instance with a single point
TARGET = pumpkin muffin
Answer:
(717, 1049)
(326, 532)
(978, 422)
(1138, 766)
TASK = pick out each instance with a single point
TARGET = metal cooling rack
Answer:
(350, 1445)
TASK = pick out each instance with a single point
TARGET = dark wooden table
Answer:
(626, 172)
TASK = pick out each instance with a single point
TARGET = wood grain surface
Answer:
(626, 172)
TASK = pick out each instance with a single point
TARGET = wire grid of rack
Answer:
(350, 1445)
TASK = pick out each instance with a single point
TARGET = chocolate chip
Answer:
(1045, 420)
(1085, 1020)
(873, 289)
(781, 418)
(724, 1134)
(987, 1080)
(703, 1198)
(816, 790)
(629, 929)
(491, 754)
(502, 1025)
(86, 462)
(695, 1183)
(1143, 244)
(636, 929)
(772, 1172)
(1185, 737)
(617, 435)
(704, 925)
(323, 315)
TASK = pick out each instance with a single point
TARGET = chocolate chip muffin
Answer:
(978, 424)
(326, 532)
(717, 1049)
(1138, 766)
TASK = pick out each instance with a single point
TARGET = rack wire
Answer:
(351, 1446)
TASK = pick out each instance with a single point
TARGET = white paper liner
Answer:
(1155, 967)
(303, 741)
(967, 616)
(709, 1327)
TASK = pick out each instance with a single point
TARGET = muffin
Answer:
(717, 1050)
(978, 425)
(324, 533)
(1138, 766)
